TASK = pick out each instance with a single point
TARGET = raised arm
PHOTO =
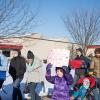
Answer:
(67, 75)
(48, 76)
(69, 79)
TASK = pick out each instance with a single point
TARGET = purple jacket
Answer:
(61, 85)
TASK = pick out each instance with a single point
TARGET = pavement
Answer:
(8, 87)
(46, 98)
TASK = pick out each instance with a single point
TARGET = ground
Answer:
(46, 98)
(8, 87)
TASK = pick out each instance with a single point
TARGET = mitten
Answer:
(66, 69)
(48, 66)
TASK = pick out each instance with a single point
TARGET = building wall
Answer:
(41, 48)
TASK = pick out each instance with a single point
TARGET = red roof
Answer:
(93, 46)
(7, 46)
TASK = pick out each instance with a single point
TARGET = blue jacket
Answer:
(3, 66)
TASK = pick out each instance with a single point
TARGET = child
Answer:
(61, 82)
(86, 82)
(80, 94)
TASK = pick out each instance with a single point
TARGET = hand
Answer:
(66, 69)
(72, 98)
(49, 66)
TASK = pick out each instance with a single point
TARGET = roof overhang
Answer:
(93, 46)
(9, 46)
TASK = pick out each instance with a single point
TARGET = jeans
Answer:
(1, 83)
(17, 95)
(34, 95)
(96, 91)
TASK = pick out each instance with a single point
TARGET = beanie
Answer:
(80, 50)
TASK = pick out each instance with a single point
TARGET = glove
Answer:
(66, 69)
(48, 66)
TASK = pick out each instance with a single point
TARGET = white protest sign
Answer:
(59, 57)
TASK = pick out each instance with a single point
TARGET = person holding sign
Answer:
(61, 82)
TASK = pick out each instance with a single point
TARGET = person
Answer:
(61, 82)
(34, 74)
(95, 68)
(79, 72)
(83, 87)
(80, 94)
(17, 69)
(3, 68)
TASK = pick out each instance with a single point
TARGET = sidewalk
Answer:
(8, 87)
(46, 98)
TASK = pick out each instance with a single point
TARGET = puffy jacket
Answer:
(85, 67)
(61, 85)
(17, 67)
(87, 61)
(3, 66)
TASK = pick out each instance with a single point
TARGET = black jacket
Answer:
(87, 61)
(17, 67)
(85, 68)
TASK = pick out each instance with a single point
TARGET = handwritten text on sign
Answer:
(59, 57)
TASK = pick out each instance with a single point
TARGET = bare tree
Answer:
(15, 18)
(84, 27)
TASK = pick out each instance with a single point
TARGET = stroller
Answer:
(80, 93)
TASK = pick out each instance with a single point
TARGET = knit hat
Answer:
(80, 50)
(63, 69)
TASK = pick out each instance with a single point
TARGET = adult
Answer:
(79, 72)
(34, 71)
(3, 68)
(16, 70)
(95, 68)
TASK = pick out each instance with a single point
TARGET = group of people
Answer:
(17, 68)
(63, 80)
(88, 74)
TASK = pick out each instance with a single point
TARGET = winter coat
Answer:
(61, 85)
(96, 66)
(34, 71)
(80, 94)
(84, 69)
(17, 67)
(3, 66)
(85, 59)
